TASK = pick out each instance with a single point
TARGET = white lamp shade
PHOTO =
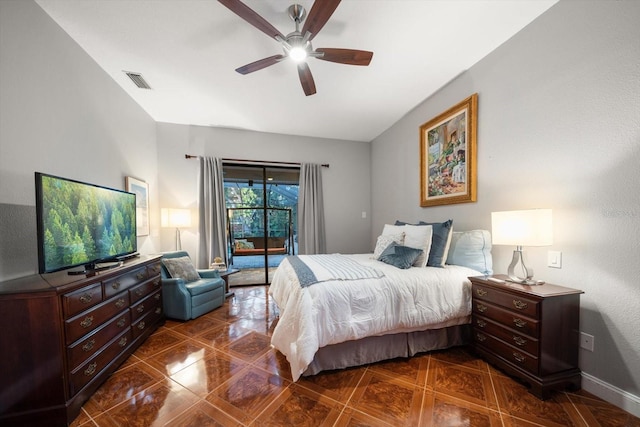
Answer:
(532, 227)
(175, 218)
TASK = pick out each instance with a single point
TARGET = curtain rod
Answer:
(189, 156)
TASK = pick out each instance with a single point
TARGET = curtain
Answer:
(311, 230)
(212, 212)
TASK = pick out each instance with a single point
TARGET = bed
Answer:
(356, 309)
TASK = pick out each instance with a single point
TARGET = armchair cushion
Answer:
(181, 268)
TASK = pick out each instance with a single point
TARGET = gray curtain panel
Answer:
(212, 210)
(311, 229)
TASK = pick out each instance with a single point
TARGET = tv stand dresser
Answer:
(61, 336)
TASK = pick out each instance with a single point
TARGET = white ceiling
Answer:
(188, 50)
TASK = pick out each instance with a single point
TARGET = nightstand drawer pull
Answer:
(88, 346)
(91, 369)
(519, 357)
(519, 322)
(519, 340)
(481, 337)
(481, 323)
(482, 308)
(481, 292)
(86, 322)
(519, 304)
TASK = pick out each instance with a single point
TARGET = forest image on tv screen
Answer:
(84, 223)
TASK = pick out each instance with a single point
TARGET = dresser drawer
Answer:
(514, 355)
(147, 321)
(507, 318)
(75, 302)
(91, 319)
(124, 281)
(154, 269)
(92, 367)
(528, 307)
(142, 290)
(516, 338)
(146, 305)
(82, 350)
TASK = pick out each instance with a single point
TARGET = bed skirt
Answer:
(385, 347)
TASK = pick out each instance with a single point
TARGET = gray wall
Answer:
(558, 127)
(346, 183)
(61, 114)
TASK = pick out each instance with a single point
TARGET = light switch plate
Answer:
(554, 259)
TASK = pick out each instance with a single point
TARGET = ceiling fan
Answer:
(297, 44)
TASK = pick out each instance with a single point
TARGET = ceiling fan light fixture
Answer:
(298, 54)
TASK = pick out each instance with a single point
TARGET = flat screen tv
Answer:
(82, 224)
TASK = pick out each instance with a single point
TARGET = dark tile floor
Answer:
(219, 370)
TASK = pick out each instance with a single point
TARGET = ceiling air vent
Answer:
(138, 80)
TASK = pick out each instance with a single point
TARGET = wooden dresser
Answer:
(62, 336)
(530, 332)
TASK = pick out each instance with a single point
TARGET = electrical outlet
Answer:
(587, 341)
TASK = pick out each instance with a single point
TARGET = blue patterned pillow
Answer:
(400, 256)
(440, 241)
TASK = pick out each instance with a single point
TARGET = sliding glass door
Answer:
(261, 220)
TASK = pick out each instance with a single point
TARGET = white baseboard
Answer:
(612, 394)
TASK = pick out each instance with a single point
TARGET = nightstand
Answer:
(529, 332)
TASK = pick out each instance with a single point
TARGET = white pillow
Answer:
(384, 241)
(415, 236)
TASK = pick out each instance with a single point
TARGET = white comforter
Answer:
(336, 311)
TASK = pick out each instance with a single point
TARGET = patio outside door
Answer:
(261, 220)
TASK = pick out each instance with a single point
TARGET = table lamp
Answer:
(170, 217)
(533, 227)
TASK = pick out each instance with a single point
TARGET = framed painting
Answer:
(141, 190)
(448, 156)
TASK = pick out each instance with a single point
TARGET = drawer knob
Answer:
(519, 340)
(519, 357)
(157, 297)
(88, 346)
(156, 283)
(481, 292)
(482, 308)
(519, 304)
(91, 369)
(86, 298)
(481, 323)
(121, 322)
(519, 322)
(140, 308)
(120, 303)
(158, 310)
(86, 322)
(141, 325)
(139, 292)
(115, 285)
(481, 337)
(140, 276)
(122, 342)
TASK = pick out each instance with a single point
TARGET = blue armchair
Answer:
(190, 293)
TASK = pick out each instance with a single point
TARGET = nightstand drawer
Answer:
(507, 318)
(516, 338)
(511, 354)
(511, 301)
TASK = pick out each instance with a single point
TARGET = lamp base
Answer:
(518, 262)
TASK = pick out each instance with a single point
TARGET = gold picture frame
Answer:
(448, 148)
(141, 190)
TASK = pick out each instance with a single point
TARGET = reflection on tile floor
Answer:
(220, 370)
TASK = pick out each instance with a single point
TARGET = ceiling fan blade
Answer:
(249, 15)
(320, 13)
(346, 56)
(308, 85)
(260, 64)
